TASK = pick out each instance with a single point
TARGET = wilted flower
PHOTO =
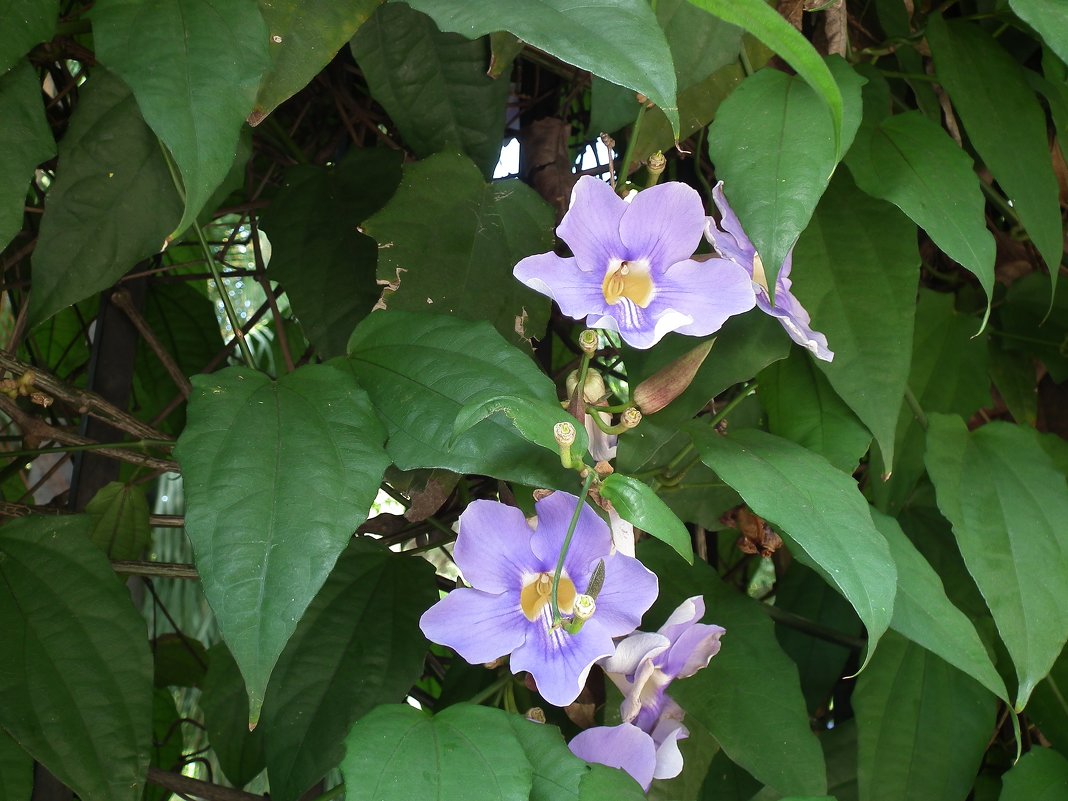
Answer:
(507, 610)
(602, 445)
(731, 242)
(646, 744)
(632, 271)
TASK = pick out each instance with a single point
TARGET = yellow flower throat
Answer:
(536, 594)
(628, 280)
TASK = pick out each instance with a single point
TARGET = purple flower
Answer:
(644, 664)
(507, 610)
(646, 745)
(731, 242)
(632, 271)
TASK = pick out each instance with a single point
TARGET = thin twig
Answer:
(156, 569)
(177, 783)
(122, 299)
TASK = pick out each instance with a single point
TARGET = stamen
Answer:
(536, 593)
(628, 280)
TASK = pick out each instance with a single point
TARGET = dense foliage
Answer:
(293, 355)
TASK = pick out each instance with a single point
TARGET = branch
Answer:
(156, 569)
(122, 299)
(83, 400)
(177, 783)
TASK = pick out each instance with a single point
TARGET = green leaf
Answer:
(804, 408)
(397, 753)
(38, 24)
(1049, 19)
(767, 25)
(16, 770)
(924, 613)
(743, 714)
(305, 37)
(1048, 708)
(820, 663)
(535, 420)
(922, 725)
(604, 782)
(1014, 379)
(1007, 504)
(422, 369)
(773, 147)
(910, 161)
(1040, 775)
(325, 263)
(184, 321)
(194, 67)
(225, 704)
(855, 269)
(619, 40)
(77, 640)
(744, 346)
(119, 515)
(1004, 122)
(112, 204)
(1023, 330)
(453, 252)
(638, 504)
(948, 374)
(179, 661)
(818, 508)
(433, 85)
(357, 646)
(700, 43)
(278, 474)
(25, 141)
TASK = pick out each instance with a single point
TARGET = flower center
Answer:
(630, 280)
(536, 594)
(758, 272)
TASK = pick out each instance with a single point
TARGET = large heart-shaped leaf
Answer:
(453, 252)
(855, 270)
(1004, 122)
(194, 67)
(924, 613)
(1008, 505)
(357, 646)
(25, 141)
(433, 85)
(818, 508)
(620, 40)
(38, 23)
(773, 146)
(742, 714)
(1040, 775)
(112, 204)
(278, 474)
(76, 675)
(422, 369)
(325, 263)
(922, 725)
(305, 37)
(397, 753)
(911, 162)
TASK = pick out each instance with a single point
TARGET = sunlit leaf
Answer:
(194, 67)
(638, 504)
(112, 204)
(1007, 504)
(277, 477)
(76, 640)
(819, 509)
(305, 37)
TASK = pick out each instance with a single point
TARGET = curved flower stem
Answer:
(553, 599)
(488, 692)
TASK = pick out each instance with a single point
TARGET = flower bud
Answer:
(657, 163)
(594, 391)
(588, 341)
(660, 389)
(585, 606)
(630, 418)
(564, 433)
(535, 714)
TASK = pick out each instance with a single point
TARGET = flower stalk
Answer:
(554, 599)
